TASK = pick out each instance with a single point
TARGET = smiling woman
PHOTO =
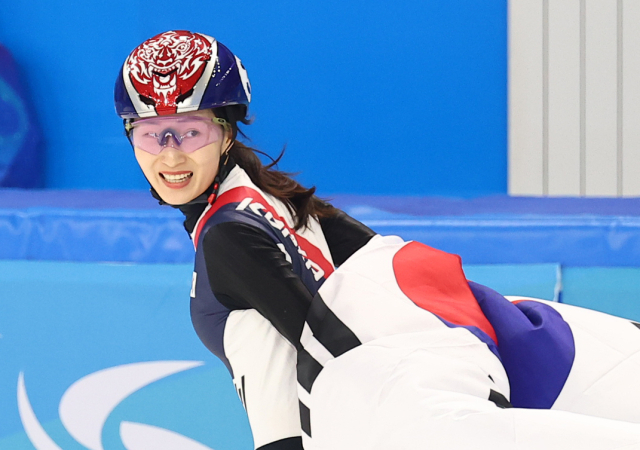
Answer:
(338, 338)
(264, 243)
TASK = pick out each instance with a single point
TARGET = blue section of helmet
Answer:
(124, 106)
(225, 86)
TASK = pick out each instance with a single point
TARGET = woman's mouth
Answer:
(176, 180)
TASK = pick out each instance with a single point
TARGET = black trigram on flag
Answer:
(241, 392)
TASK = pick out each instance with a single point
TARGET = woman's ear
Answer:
(228, 143)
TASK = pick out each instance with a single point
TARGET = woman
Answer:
(394, 349)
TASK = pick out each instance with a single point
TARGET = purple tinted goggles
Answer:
(185, 133)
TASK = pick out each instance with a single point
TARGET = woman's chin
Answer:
(175, 197)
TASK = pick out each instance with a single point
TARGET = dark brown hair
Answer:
(300, 200)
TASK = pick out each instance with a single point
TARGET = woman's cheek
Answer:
(145, 161)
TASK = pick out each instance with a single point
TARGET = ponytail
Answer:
(302, 202)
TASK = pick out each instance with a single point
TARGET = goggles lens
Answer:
(187, 134)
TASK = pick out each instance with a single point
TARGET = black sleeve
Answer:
(247, 270)
(344, 235)
(294, 443)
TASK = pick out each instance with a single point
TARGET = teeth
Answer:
(176, 178)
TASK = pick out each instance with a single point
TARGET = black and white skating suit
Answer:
(253, 282)
(394, 348)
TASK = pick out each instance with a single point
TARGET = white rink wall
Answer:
(574, 97)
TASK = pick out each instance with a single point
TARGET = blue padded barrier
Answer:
(117, 235)
(131, 227)
(509, 239)
(507, 230)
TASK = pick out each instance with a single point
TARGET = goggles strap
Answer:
(127, 130)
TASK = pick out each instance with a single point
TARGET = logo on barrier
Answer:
(87, 403)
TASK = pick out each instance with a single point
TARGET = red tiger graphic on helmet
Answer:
(165, 69)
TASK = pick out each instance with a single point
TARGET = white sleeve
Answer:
(264, 373)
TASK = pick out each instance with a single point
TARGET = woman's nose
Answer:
(172, 155)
